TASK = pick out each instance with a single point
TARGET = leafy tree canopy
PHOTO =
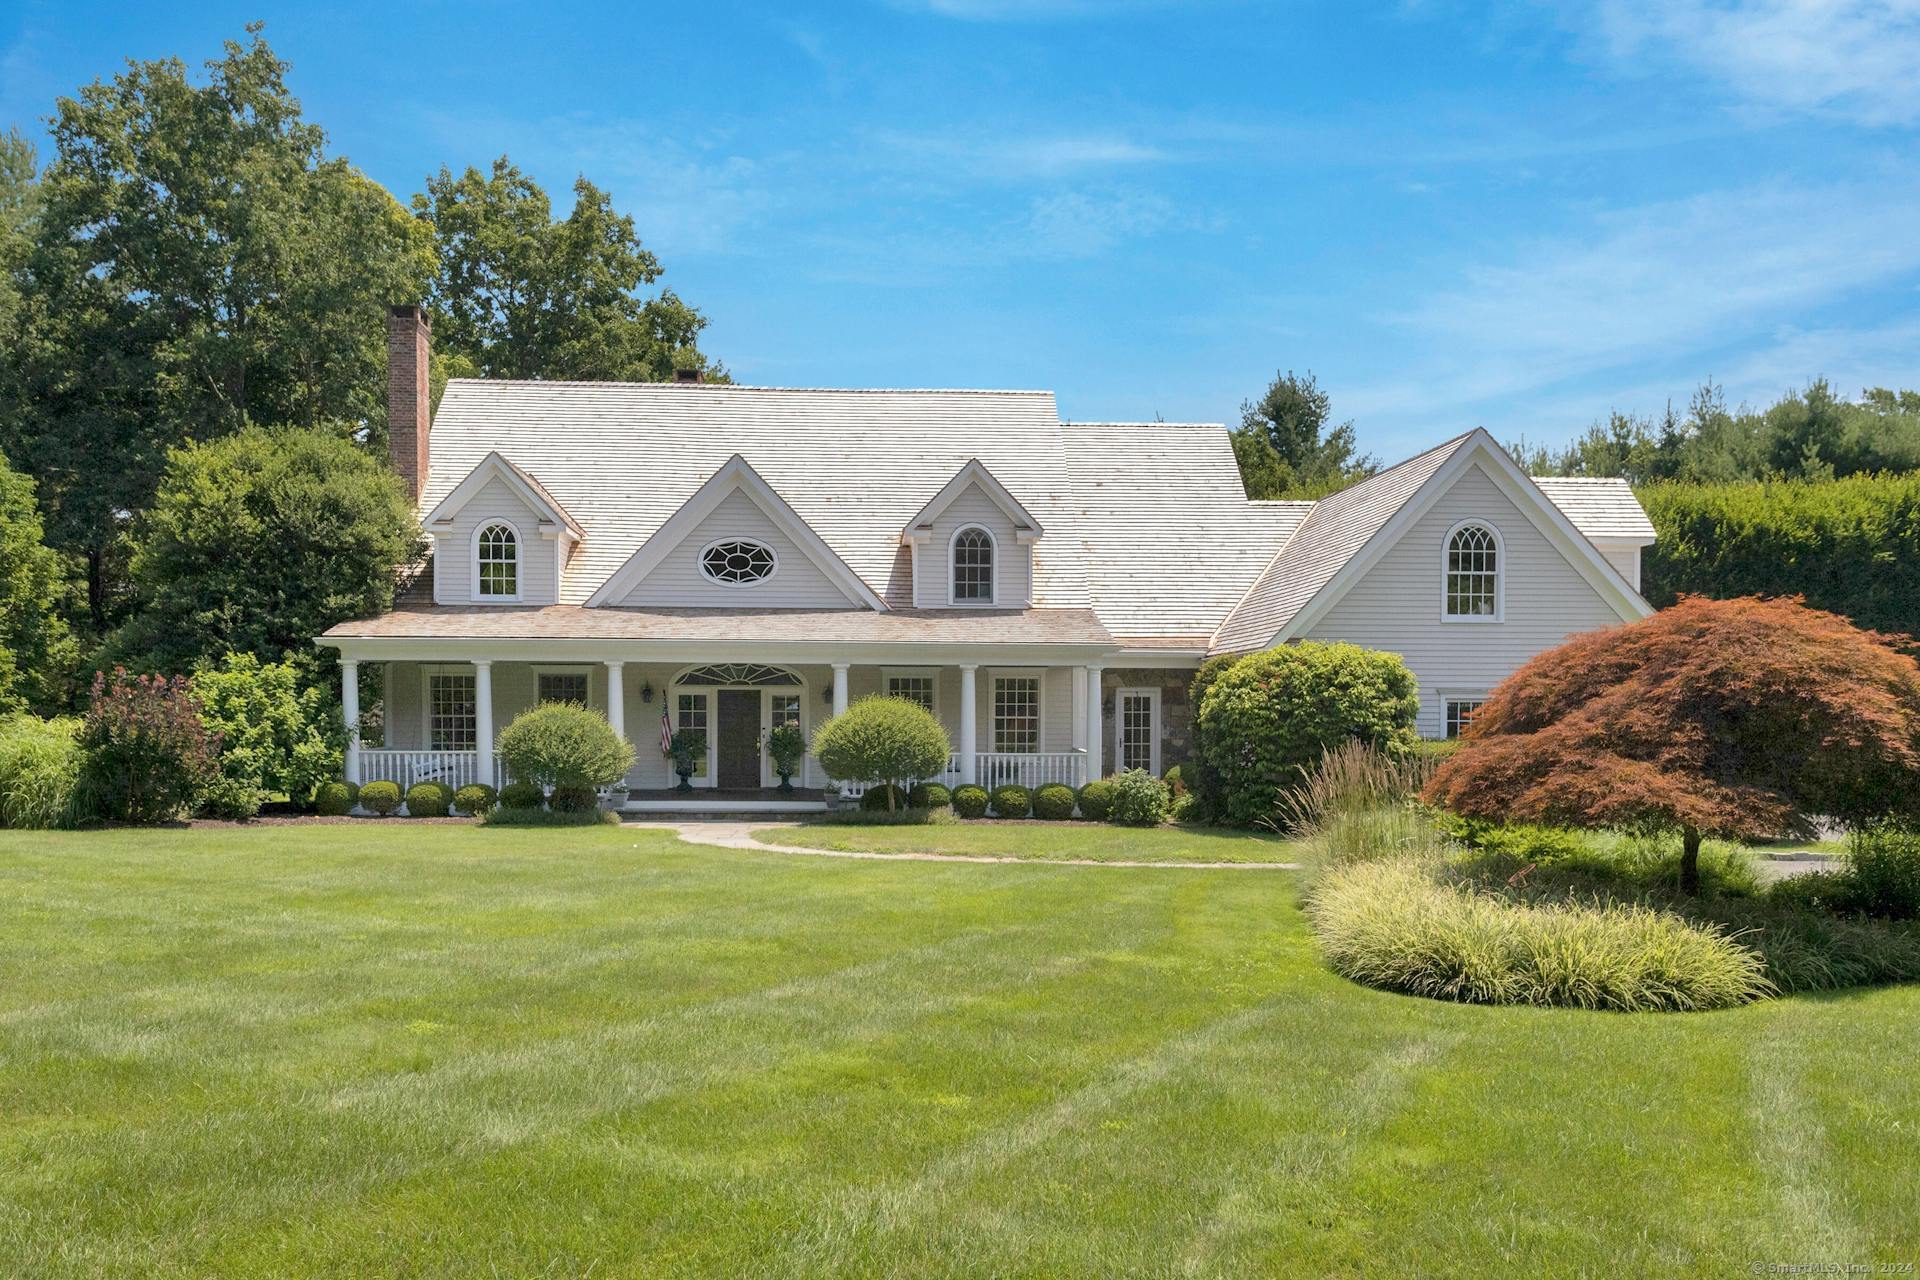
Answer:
(1739, 718)
(1286, 447)
(518, 294)
(37, 652)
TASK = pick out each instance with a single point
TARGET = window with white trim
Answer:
(1137, 730)
(737, 562)
(690, 716)
(1473, 573)
(1459, 712)
(563, 686)
(1016, 713)
(452, 722)
(497, 563)
(914, 686)
(973, 567)
(783, 708)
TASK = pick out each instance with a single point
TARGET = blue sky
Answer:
(1511, 215)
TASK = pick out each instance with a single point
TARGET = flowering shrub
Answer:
(149, 757)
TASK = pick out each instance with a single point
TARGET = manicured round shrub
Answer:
(522, 795)
(428, 800)
(573, 800)
(970, 801)
(1139, 799)
(1271, 716)
(1010, 801)
(1053, 801)
(562, 744)
(40, 763)
(886, 796)
(882, 740)
(335, 799)
(475, 800)
(380, 797)
(929, 795)
(1096, 800)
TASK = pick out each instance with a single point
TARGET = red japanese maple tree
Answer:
(1739, 718)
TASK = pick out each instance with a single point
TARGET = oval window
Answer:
(737, 562)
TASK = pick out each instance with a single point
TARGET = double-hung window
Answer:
(1473, 573)
(1016, 713)
(563, 686)
(496, 554)
(914, 686)
(452, 722)
(1460, 712)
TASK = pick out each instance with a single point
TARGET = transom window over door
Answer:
(563, 686)
(1136, 729)
(973, 567)
(452, 724)
(497, 563)
(1473, 573)
(1016, 713)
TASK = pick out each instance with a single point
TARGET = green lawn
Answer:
(1043, 840)
(384, 1049)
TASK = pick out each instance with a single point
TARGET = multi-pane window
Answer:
(1459, 712)
(973, 566)
(914, 688)
(563, 686)
(1135, 728)
(1473, 573)
(452, 724)
(499, 562)
(690, 716)
(1016, 713)
(737, 563)
(783, 708)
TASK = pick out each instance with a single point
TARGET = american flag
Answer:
(666, 735)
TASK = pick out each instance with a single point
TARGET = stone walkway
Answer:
(729, 834)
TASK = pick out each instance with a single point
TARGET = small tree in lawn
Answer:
(564, 745)
(1735, 718)
(882, 740)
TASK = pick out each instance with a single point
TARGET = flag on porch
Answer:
(666, 735)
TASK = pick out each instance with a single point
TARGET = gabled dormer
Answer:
(736, 544)
(972, 545)
(500, 538)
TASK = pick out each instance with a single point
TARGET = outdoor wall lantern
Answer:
(646, 692)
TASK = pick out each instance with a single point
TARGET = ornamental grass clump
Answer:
(40, 763)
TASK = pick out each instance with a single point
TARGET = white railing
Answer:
(455, 768)
(999, 768)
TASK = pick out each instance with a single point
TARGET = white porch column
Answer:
(617, 697)
(839, 688)
(350, 713)
(969, 712)
(1096, 724)
(483, 720)
(1078, 679)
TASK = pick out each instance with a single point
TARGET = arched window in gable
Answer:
(496, 569)
(973, 552)
(1472, 581)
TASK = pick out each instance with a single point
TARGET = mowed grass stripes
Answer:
(378, 1049)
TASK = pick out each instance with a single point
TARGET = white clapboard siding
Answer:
(797, 581)
(1013, 581)
(453, 546)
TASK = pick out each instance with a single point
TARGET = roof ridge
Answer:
(747, 386)
(1184, 426)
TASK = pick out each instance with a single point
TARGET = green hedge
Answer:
(1850, 546)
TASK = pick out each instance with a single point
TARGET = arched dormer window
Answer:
(1471, 583)
(496, 563)
(973, 566)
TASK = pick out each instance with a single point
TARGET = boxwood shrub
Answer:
(1096, 800)
(429, 800)
(1053, 801)
(475, 799)
(381, 797)
(1010, 801)
(970, 801)
(1139, 799)
(523, 795)
(335, 799)
(929, 795)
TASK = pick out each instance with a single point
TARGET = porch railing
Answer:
(455, 768)
(1001, 768)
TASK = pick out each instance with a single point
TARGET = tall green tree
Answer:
(197, 264)
(1306, 454)
(521, 295)
(37, 651)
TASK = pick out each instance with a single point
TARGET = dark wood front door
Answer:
(739, 743)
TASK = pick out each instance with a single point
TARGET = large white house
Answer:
(724, 558)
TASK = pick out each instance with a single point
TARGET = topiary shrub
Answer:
(335, 799)
(970, 801)
(567, 799)
(1139, 799)
(786, 748)
(475, 800)
(148, 756)
(562, 744)
(1096, 800)
(882, 740)
(886, 796)
(1010, 801)
(522, 795)
(428, 800)
(40, 763)
(1271, 716)
(380, 798)
(1053, 801)
(929, 795)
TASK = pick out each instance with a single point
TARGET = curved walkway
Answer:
(739, 835)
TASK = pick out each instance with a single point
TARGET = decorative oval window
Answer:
(737, 562)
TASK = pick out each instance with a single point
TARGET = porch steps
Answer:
(712, 808)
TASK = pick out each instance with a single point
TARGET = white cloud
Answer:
(1855, 59)
(1077, 225)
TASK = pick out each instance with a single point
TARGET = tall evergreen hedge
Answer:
(1850, 546)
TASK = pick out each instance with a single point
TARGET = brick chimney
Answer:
(408, 413)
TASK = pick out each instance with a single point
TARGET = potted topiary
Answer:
(686, 748)
(786, 745)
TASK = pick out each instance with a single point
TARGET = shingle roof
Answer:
(896, 626)
(1338, 526)
(1602, 508)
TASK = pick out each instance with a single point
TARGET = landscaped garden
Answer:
(389, 1048)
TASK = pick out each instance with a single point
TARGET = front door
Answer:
(738, 746)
